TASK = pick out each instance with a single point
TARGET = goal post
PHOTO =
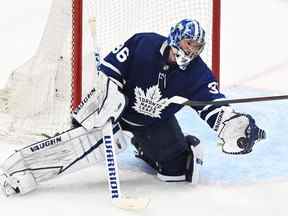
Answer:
(40, 94)
(216, 33)
(76, 58)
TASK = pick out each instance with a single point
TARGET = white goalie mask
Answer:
(183, 58)
(187, 40)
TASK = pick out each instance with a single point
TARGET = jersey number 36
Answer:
(121, 53)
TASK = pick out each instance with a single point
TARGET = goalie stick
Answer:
(111, 161)
(113, 175)
(191, 103)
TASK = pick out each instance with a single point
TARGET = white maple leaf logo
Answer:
(150, 103)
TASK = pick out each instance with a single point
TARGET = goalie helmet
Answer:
(186, 29)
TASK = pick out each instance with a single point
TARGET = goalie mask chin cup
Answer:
(182, 59)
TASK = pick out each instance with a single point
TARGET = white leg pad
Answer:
(70, 151)
(198, 163)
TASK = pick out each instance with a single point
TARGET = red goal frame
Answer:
(77, 12)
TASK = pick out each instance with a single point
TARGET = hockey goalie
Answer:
(139, 78)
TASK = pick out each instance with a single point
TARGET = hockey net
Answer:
(39, 95)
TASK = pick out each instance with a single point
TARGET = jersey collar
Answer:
(164, 47)
(164, 50)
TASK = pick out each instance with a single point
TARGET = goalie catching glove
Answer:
(238, 132)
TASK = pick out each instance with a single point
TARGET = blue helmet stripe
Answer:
(186, 28)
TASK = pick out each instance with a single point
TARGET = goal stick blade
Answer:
(133, 204)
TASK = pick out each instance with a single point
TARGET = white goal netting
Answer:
(37, 97)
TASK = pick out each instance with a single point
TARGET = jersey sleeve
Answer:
(206, 89)
(115, 64)
(209, 92)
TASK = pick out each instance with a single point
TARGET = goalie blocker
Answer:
(100, 104)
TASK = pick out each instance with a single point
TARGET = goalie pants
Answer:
(164, 147)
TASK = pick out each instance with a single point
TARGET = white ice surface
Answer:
(254, 63)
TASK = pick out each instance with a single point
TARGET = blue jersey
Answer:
(140, 67)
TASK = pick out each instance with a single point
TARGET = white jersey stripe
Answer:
(112, 67)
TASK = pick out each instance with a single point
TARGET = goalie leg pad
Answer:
(70, 151)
